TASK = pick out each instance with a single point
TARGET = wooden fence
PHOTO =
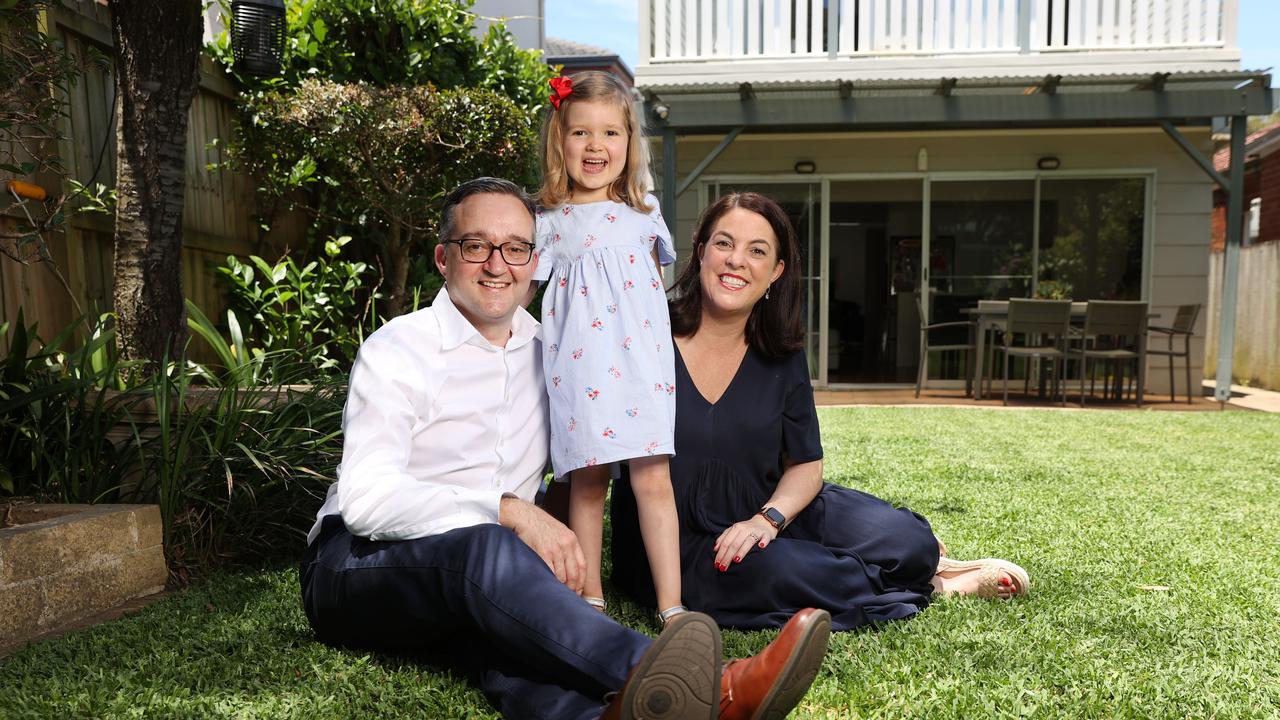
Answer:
(1256, 360)
(218, 216)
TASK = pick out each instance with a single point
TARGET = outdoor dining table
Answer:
(995, 315)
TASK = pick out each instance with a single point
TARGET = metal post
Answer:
(1231, 261)
(669, 184)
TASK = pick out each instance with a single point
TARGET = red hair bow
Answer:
(561, 88)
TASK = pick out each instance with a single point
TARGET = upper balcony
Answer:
(728, 41)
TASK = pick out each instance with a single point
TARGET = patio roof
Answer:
(1047, 101)
(1052, 101)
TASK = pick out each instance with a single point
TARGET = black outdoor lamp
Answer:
(257, 36)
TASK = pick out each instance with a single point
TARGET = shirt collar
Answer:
(456, 330)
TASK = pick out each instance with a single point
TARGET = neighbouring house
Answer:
(575, 57)
(1256, 356)
(980, 150)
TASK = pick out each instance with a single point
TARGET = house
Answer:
(1261, 189)
(991, 149)
(576, 57)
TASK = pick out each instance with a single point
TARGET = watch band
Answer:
(773, 517)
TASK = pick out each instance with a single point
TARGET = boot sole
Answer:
(679, 676)
(799, 671)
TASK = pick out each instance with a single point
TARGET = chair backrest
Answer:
(1046, 317)
(1116, 317)
(1185, 320)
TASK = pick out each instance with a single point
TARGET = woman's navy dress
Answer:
(848, 552)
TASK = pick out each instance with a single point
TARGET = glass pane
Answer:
(875, 244)
(1091, 238)
(980, 246)
(802, 203)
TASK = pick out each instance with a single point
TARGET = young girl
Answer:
(606, 331)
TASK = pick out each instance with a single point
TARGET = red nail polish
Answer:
(738, 559)
(723, 567)
(1005, 581)
(761, 544)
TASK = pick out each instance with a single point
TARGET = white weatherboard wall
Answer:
(1179, 262)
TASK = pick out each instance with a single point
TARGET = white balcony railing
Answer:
(700, 30)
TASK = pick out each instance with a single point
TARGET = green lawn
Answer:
(1152, 539)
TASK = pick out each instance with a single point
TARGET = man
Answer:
(429, 539)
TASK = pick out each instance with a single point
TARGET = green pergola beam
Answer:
(706, 161)
(1204, 163)
(777, 111)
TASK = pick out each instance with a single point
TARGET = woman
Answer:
(761, 535)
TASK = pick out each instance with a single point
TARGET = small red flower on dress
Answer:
(609, 433)
(592, 393)
(577, 354)
(597, 324)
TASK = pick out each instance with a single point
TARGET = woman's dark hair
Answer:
(774, 328)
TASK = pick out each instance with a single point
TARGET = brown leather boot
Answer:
(768, 685)
(678, 678)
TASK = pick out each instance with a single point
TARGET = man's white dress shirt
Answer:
(438, 424)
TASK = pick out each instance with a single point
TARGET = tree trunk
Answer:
(156, 54)
(399, 242)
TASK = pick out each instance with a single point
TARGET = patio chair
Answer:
(925, 347)
(1184, 324)
(1043, 326)
(1114, 331)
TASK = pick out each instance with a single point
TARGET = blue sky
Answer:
(612, 24)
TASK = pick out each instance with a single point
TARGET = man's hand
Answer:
(555, 544)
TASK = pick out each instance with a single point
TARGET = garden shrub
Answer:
(307, 316)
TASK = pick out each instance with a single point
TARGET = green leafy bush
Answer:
(386, 154)
(312, 315)
(62, 417)
(383, 107)
(238, 463)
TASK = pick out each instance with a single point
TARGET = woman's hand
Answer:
(741, 538)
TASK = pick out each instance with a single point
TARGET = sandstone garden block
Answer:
(62, 563)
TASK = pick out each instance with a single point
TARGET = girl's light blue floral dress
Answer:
(606, 333)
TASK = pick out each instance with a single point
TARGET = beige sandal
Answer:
(596, 602)
(991, 570)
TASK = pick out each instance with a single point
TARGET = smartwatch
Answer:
(775, 518)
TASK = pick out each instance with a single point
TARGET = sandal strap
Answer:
(666, 615)
(595, 602)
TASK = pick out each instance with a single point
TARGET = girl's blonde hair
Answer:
(634, 182)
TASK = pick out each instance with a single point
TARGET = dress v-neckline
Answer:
(692, 383)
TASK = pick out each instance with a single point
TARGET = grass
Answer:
(1151, 539)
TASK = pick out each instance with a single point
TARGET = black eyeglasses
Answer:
(479, 251)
